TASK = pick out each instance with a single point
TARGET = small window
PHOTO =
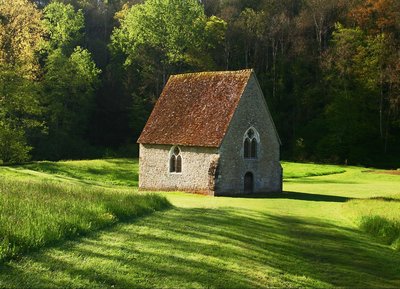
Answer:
(172, 162)
(250, 144)
(178, 164)
(253, 149)
(175, 160)
(247, 148)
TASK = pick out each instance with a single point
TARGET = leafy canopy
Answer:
(64, 25)
(21, 36)
(178, 29)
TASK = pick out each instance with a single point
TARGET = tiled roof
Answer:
(195, 109)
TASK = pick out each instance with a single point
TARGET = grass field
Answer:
(309, 236)
(35, 213)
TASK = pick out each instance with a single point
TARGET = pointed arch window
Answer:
(175, 160)
(250, 144)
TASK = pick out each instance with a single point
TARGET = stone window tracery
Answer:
(175, 160)
(250, 144)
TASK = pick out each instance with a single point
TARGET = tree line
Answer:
(79, 78)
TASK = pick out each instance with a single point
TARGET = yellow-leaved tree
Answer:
(21, 34)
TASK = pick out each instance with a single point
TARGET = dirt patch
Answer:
(387, 172)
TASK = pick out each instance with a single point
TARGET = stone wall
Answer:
(197, 165)
(266, 169)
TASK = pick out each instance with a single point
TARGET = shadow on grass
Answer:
(385, 199)
(296, 196)
(218, 248)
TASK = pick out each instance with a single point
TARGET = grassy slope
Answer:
(36, 213)
(103, 173)
(304, 238)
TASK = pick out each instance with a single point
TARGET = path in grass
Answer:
(303, 238)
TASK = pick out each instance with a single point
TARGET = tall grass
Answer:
(386, 229)
(35, 214)
(380, 217)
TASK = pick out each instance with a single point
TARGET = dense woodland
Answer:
(79, 78)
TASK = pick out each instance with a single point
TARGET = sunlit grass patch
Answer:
(34, 214)
(104, 172)
(300, 170)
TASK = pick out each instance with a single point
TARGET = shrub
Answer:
(13, 146)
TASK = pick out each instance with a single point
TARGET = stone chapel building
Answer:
(211, 133)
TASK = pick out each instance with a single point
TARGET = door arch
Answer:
(248, 183)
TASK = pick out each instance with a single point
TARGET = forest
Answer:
(79, 78)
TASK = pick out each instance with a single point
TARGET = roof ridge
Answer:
(240, 71)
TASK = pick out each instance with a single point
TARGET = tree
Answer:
(179, 32)
(69, 83)
(377, 16)
(64, 26)
(21, 33)
(356, 71)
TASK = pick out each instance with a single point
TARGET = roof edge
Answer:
(179, 144)
(249, 70)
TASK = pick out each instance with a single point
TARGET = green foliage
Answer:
(13, 146)
(178, 30)
(21, 34)
(64, 26)
(354, 113)
(69, 86)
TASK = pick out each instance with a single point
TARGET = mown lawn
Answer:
(308, 236)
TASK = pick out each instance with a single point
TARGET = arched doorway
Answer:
(248, 183)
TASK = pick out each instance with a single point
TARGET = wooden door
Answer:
(248, 183)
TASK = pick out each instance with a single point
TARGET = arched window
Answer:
(247, 148)
(175, 160)
(250, 143)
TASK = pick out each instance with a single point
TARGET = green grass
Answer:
(299, 170)
(35, 214)
(379, 216)
(104, 173)
(307, 237)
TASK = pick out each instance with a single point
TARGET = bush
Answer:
(13, 146)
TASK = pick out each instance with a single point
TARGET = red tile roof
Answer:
(195, 109)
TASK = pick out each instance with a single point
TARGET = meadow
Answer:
(38, 209)
(333, 226)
